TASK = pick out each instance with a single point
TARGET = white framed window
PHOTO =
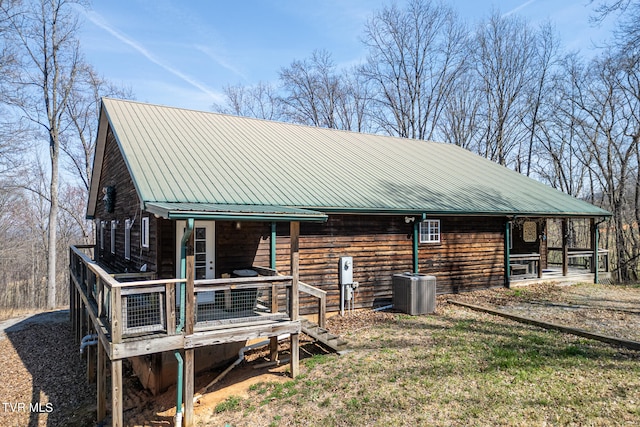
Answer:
(144, 232)
(127, 238)
(430, 231)
(113, 236)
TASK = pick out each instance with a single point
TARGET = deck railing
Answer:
(580, 258)
(130, 306)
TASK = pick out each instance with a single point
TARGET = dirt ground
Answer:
(43, 382)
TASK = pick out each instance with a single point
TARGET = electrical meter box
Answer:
(346, 270)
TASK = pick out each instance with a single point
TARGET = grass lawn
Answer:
(455, 368)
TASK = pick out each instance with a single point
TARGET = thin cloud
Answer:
(518, 9)
(100, 22)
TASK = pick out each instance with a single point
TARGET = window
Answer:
(127, 238)
(430, 231)
(144, 233)
(113, 236)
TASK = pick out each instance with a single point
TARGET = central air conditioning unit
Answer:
(414, 293)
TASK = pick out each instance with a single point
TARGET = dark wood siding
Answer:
(241, 245)
(470, 255)
(127, 206)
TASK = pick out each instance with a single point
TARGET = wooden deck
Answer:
(134, 315)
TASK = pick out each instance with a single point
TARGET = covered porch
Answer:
(558, 250)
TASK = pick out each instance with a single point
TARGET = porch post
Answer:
(595, 244)
(188, 330)
(272, 244)
(293, 300)
(273, 341)
(565, 246)
(507, 254)
(416, 240)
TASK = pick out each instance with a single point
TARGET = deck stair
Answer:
(334, 342)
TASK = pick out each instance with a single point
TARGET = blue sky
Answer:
(182, 53)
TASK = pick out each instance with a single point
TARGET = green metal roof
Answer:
(184, 156)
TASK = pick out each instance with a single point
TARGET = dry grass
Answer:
(455, 368)
(458, 367)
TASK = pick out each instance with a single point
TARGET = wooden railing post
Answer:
(170, 307)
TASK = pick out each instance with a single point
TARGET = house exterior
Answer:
(294, 200)
(365, 196)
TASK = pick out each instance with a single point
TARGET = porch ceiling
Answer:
(210, 211)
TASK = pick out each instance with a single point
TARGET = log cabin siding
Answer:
(241, 245)
(470, 255)
(126, 206)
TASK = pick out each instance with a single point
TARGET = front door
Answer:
(204, 248)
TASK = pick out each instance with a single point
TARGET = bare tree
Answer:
(311, 89)
(608, 123)
(261, 101)
(627, 31)
(415, 56)
(45, 31)
(539, 92)
(503, 56)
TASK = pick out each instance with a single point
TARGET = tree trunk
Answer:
(53, 227)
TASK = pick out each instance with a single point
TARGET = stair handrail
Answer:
(322, 300)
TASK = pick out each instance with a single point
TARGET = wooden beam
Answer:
(101, 384)
(189, 386)
(621, 342)
(116, 393)
(149, 345)
(244, 333)
(293, 300)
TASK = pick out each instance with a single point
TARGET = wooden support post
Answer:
(116, 393)
(170, 307)
(273, 349)
(293, 300)
(507, 254)
(565, 246)
(83, 321)
(101, 384)
(189, 374)
(595, 243)
(189, 378)
(190, 296)
(91, 357)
